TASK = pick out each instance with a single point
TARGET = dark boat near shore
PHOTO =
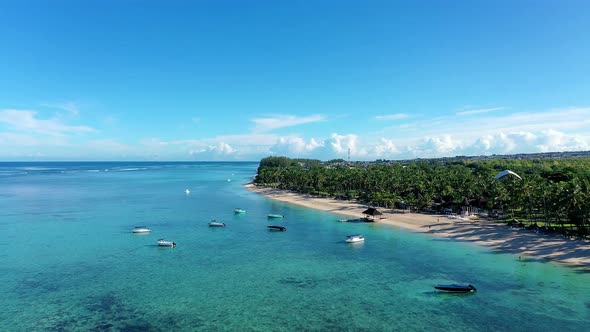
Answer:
(277, 228)
(455, 288)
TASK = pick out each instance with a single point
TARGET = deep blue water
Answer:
(70, 262)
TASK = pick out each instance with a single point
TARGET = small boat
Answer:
(275, 216)
(166, 243)
(141, 229)
(239, 211)
(277, 228)
(354, 238)
(186, 191)
(214, 223)
(456, 288)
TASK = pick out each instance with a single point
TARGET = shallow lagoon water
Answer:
(70, 261)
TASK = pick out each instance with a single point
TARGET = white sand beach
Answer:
(497, 236)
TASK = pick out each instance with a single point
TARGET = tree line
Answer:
(553, 193)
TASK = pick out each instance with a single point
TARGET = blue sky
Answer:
(241, 80)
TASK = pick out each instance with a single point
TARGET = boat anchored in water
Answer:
(275, 216)
(239, 211)
(277, 228)
(354, 238)
(166, 243)
(215, 223)
(456, 288)
(141, 229)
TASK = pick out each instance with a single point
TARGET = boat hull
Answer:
(354, 241)
(456, 288)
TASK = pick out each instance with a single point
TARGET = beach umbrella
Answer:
(505, 173)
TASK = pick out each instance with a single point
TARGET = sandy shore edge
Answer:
(525, 244)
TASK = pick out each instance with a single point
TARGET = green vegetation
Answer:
(554, 194)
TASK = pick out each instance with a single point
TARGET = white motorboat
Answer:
(141, 229)
(166, 243)
(354, 238)
(214, 223)
(186, 191)
(239, 211)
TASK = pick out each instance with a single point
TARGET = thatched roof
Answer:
(372, 212)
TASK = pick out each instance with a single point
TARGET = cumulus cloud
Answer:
(282, 121)
(543, 141)
(553, 140)
(338, 146)
(27, 121)
(213, 151)
(506, 142)
(294, 146)
(434, 147)
(385, 148)
(27, 133)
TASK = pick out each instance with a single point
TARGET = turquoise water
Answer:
(69, 261)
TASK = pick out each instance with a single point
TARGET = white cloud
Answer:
(505, 143)
(10, 139)
(223, 148)
(294, 146)
(572, 120)
(69, 106)
(517, 142)
(213, 152)
(282, 121)
(385, 148)
(27, 121)
(436, 146)
(481, 110)
(338, 146)
(25, 134)
(153, 142)
(397, 116)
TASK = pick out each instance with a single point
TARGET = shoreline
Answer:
(490, 234)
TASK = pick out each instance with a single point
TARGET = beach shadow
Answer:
(449, 294)
(525, 243)
(353, 221)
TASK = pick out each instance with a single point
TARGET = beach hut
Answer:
(372, 212)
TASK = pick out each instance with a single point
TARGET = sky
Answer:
(243, 80)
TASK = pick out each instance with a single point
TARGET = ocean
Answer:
(69, 261)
